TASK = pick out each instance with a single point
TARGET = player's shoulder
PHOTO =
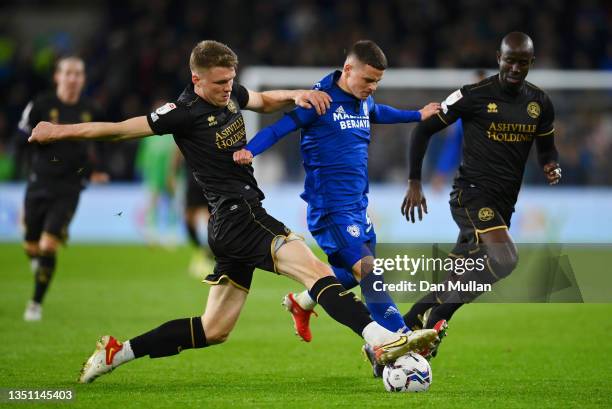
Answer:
(327, 83)
(535, 92)
(483, 86)
(187, 99)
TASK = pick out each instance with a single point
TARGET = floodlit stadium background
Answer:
(136, 52)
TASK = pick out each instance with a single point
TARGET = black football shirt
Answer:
(62, 166)
(499, 128)
(208, 136)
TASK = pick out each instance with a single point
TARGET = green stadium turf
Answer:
(496, 355)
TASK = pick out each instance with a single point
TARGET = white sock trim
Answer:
(125, 355)
(375, 334)
(304, 300)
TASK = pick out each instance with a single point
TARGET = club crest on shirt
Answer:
(353, 230)
(492, 108)
(232, 107)
(211, 120)
(533, 109)
(485, 214)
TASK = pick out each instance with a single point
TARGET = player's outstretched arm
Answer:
(46, 132)
(272, 101)
(385, 114)
(414, 198)
(265, 138)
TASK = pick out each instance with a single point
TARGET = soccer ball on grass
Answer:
(409, 373)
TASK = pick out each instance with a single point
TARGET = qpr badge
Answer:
(353, 230)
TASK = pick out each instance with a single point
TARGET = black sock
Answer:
(170, 338)
(442, 312)
(43, 275)
(453, 300)
(192, 233)
(411, 318)
(341, 305)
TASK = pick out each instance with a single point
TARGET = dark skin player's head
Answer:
(515, 57)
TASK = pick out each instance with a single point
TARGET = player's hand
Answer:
(552, 170)
(428, 110)
(414, 199)
(243, 157)
(318, 100)
(44, 132)
(99, 177)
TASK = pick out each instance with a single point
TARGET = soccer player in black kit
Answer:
(502, 116)
(57, 175)
(208, 127)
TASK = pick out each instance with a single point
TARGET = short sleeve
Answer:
(170, 118)
(457, 105)
(242, 95)
(29, 118)
(546, 124)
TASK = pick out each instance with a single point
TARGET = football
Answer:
(409, 373)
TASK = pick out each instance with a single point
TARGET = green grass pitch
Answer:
(496, 355)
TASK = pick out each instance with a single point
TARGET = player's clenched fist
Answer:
(243, 157)
(552, 171)
(428, 110)
(43, 132)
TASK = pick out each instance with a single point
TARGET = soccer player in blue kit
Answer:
(334, 148)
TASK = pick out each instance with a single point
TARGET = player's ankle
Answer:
(124, 355)
(375, 334)
(304, 300)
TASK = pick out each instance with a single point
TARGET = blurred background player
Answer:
(501, 116)
(154, 161)
(334, 148)
(195, 213)
(57, 175)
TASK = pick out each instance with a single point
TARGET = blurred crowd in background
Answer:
(136, 52)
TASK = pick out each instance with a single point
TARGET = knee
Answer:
(31, 248)
(502, 265)
(48, 245)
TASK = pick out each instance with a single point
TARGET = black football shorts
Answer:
(50, 213)
(475, 213)
(240, 235)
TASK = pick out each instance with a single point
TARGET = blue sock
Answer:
(380, 304)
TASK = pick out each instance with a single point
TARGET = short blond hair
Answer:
(210, 53)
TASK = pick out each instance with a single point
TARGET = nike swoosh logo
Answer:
(110, 353)
(398, 343)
